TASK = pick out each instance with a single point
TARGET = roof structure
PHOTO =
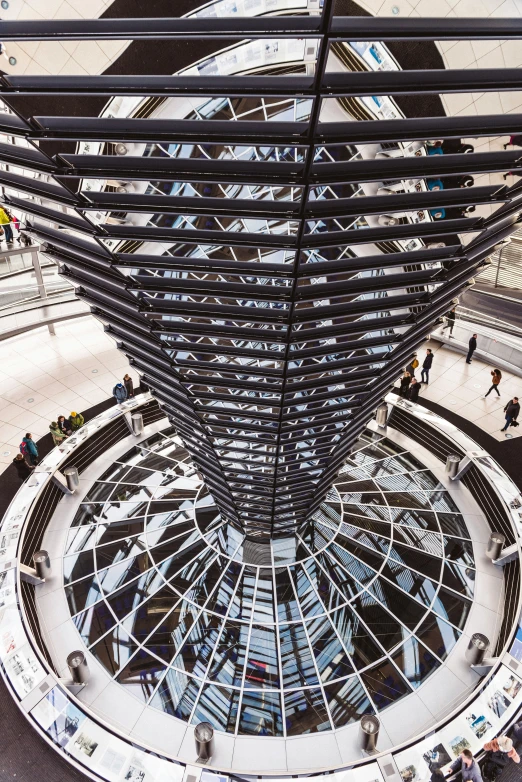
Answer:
(277, 319)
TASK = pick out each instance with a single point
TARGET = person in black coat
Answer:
(129, 386)
(512, 410)
(426, 366)
(22, 466)
(405, 384)
(472, 348)
(413, 393)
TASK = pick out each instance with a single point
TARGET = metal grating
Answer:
(267, 338)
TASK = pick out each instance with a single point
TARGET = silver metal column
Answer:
(381, 415)
(42, 564)
(40, 283)
(477, 648)
(72, 478)
(369, 733)
(137, 423)
(452, 465)
(204, 738)
(78, 667)
(495, 545)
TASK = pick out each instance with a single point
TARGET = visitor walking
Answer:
(76, 421)
(56, 433)
(496, 377)
(472, 346)
(426, 366)
(512, 410)
(28, 449)
(119, 393)
(63, 425)
(405, 383)
(22, 466)
(413, 393)
(450, 320)
(468, 767)
(129, 386)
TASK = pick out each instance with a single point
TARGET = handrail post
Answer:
(40, 283)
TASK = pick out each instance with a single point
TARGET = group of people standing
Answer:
(410, 386)
(25, 461)
(499, 752)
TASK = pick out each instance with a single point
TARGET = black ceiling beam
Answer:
(233, 27)
(335, 84)
(201, 265)
(366, 262)
(424, 229)
(198, 236)
(431, 166)
(169, 130)
(163, 86)
(359, 83)
(418, 128)
(359, 28)
(343, 28)
(177, 205)
(407, 202)
(198, 169)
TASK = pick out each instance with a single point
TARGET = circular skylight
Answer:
(305, 634)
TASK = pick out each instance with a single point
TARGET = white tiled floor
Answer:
(42, 376)
(461, 387)
(69, 57)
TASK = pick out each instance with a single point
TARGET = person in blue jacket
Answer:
(119, 392)
(29, 449)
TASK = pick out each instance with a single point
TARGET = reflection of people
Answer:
(468, 767)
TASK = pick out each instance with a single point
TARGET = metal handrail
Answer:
(478, 318)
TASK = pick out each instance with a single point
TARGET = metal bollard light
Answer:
(496, 543)
(137, 423)
(477, 648)
(204, 738)
(72, 478)
(381, 415)
(452, 465)
(42, 564)
(78, 667)
(369, 733)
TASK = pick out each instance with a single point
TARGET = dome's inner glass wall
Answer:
(345, 619)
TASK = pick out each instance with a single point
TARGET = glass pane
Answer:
(114, 650)
(260, 714)
(348, 702)
(384, 684)
(262, 664)
(438, 635)
(218, 706)
(415, 661)
(82, 594)
(363, 649)
(176, 694)
(297, 663)
(229, 658)
(305, 712)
